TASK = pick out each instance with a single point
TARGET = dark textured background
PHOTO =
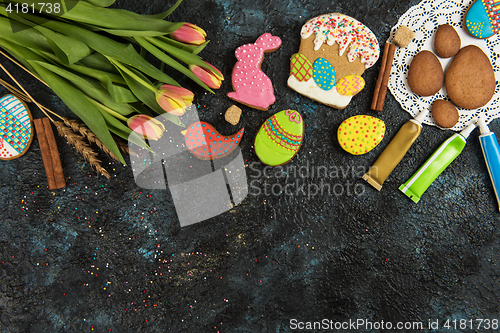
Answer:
(107, 256)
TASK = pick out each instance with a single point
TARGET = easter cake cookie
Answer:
(279, 138)
(334, 52)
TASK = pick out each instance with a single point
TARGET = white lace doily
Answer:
(424, 20)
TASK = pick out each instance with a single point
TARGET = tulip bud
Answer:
(186, 95)
(212, 78)
(190, 34)
(146, 126)
(171, 101)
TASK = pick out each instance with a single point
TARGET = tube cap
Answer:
(421, 116)
(468, 130)
(481, 122)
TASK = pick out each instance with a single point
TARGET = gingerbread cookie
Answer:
(447, 42)
(470, 79)
(251, 85)
(334, 52)
(445, 114)
(204, 142)
(360, 134)
(279, 138)
(482, 18)
(425, 75)
(16, 130)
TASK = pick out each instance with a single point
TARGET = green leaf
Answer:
(26, 36)
(120, 93)
(101, 3)
(81, 106)
(124, 132)
(110, 18)
(170, 62)
(92, 88)
(69, 50)
(140, 108)
(166, 13)
(187, 57)
(21, 53)
(200, 48)
(124, 53)
(98, 61)
(134, 33)
(138, 78)
(177, 44)
(148, 97)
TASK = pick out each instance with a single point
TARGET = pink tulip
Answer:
(212, 78)
(146, 126)
(186, 95)
(189, 34)
(174, 100)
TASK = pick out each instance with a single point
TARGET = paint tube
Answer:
(491, 153)
(432, 168)
(395, 151)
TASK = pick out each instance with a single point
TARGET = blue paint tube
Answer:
(435, 165)
(491, 153)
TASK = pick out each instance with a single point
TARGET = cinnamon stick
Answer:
(383, 79)
(380, 77)
(56, 159)
(50, 154)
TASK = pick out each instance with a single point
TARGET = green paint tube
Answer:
(434, 166)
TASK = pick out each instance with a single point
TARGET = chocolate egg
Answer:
(350, 85)
(279, 138)
(16, 130)
(425, 75)
(360, 134)
(300, 67)
(324, 74)
(470, 79)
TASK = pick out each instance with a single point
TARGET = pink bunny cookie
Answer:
(251, 86)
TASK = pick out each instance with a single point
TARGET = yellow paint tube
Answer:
(395, 151)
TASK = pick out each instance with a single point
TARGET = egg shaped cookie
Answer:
(350, 85)
(360, 134)
(279, 138)
(16, 130)
(324, 74)
(300, 67)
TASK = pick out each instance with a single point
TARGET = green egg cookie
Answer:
(279, 138)
(360, 134)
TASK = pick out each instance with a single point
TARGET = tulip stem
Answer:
(108, 110)
(129, 72)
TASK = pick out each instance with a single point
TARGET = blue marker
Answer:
(491, 153)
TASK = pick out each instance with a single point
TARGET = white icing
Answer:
(310, 89)
(345, 31)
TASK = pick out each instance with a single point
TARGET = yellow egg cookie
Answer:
(360, 134)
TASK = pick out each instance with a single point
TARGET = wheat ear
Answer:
(76, 140)
(78, 127)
